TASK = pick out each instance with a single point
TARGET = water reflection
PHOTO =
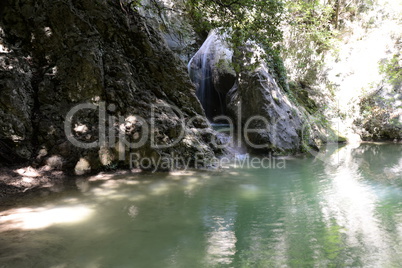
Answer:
(344, 212)
(39, 218)
(221, 240)
(351, 202)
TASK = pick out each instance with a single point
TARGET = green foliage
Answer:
(248, 22)
(276, 64)
(309, 32)
(312, 19)
(301, 96)
(311, 29)
(247, 19)
(392, 68)
(133, 3)
(378, 114)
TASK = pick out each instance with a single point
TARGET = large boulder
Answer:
(103, 56)
(269, 120)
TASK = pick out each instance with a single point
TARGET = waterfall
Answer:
(200, 70)
(210, 70)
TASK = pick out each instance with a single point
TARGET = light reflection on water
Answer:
(344, 212)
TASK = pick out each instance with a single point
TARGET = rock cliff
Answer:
(134, 94)
(266, 120)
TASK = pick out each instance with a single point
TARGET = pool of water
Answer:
(341, 209)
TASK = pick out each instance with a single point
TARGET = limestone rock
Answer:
(169, 16)
(261, 106)
(103, 56)
(252, 98)
(211, 71)
(16, 106)
(216, 55)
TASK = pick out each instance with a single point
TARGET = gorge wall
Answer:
(125, 68)
(55, 55)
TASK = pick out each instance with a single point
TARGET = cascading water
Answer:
(210, 70)
(200, 70)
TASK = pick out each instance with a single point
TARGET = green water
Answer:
(343, 209)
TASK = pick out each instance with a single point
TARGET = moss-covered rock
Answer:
(103, 54)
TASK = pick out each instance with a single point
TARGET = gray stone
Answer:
(259, 104)
(65, 53)
(216, 54)
(254, 100)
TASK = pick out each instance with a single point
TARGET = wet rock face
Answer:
(16, 112)
(252, 98)
(169, 16)
(58, 54)
(216, 54)
(211, 71)
(273, 123)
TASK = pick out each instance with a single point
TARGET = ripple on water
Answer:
(312, 214)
